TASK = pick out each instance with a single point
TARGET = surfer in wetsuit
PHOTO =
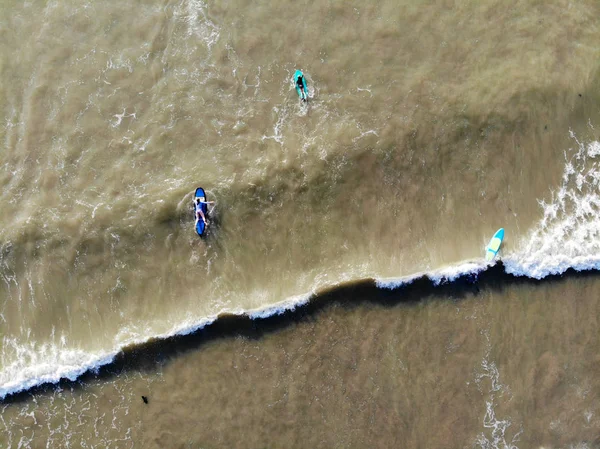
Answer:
(300, 83)
(199, 214)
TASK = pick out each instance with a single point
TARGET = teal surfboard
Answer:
(302, 95)
(494, 246)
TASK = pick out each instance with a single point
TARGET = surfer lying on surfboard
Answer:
(199, 213)
(300, 84)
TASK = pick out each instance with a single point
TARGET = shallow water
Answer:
(430, 125)
(500, 363)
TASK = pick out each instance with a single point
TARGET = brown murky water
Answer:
(430, 125)
(503, 363)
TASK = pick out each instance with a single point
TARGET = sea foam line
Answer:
(437, 277)
(71, 364)
(568, 234)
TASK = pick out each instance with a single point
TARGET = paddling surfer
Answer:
(300, 84)
(199, 214)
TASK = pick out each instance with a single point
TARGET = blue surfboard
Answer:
(200, 226)
(494, 246)
(302, 95)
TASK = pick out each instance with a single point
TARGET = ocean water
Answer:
(341, 297)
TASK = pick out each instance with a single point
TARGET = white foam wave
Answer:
(195, 15)
(494, 431)
(35, 365)
(568, 234)
(281, 117)
(47, 364)
(437, 277)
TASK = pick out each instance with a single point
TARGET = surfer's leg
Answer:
(202, 215)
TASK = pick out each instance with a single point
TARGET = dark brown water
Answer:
(430, 126)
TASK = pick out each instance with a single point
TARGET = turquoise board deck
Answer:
(302, 95)
(494, 246)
